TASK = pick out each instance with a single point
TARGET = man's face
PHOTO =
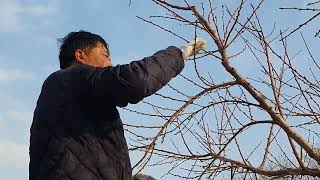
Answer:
(97, 56)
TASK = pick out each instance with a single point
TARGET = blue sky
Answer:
(29, 51)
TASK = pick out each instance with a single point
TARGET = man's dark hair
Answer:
(77, 40)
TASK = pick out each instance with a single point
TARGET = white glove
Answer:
(192, 48)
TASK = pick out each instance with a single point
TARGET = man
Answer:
(76, 132)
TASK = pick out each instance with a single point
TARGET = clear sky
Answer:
(29, 53)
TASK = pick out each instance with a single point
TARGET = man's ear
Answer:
(80, 56)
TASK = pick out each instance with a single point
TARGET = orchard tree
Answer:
(247, 107)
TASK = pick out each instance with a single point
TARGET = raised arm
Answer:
(128, 83)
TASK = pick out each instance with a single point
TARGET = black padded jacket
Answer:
(77, 133)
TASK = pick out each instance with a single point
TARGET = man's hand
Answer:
(142, 176)
(192, 48)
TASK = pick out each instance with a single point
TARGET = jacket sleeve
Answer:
(130, 83)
